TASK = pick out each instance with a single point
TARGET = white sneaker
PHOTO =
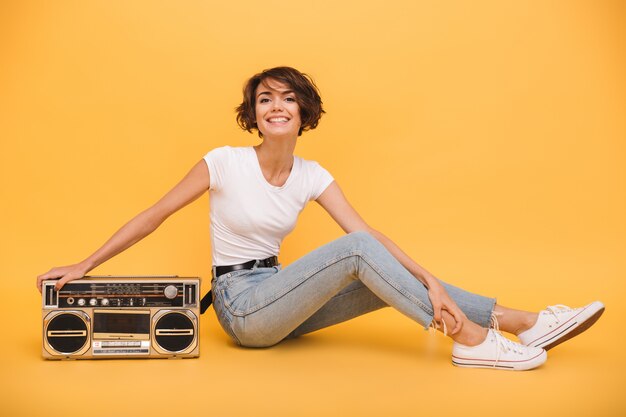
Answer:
(498, 352)
(559, 323)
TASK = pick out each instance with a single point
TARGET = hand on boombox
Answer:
(65, 273)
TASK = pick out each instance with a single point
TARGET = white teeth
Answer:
(278, 119)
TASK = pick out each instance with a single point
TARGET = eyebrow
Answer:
(269, 93)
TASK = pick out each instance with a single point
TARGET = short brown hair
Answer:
(307, 97)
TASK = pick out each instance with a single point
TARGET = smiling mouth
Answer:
(278, 120)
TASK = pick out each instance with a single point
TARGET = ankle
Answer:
(526, 323)
(471, 335)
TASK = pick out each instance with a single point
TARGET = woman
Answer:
(256, 194)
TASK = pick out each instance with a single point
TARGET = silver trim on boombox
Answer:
(121, 345)
(174, 332)
(47, 333)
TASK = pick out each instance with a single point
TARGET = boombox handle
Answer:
(206, 302)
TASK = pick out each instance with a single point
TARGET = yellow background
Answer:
(487, 138)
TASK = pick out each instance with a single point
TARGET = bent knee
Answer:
(257, 344)
(258, 341)
(361, 237)
(364, 241)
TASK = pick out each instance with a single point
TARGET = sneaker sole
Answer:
(572, 330)
(504, 365)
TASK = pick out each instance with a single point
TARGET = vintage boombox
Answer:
(121, 317)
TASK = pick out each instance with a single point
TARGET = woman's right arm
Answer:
(190, 188)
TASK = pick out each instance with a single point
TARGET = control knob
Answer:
(93, 302)
(81, 302)
(170, 292)
(105, 302)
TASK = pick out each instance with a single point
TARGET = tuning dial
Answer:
(93, 302)
(105, 302)
(170, 292)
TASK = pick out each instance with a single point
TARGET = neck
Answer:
(276, 158)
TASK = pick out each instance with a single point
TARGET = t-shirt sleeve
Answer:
(321, 180)
(217, 162)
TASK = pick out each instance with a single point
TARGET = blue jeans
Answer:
(343, 279)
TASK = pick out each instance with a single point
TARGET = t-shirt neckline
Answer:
(261, 177)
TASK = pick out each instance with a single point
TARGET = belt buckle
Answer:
(269, 262)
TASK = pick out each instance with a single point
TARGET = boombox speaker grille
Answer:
(67, 333)
(174, 332)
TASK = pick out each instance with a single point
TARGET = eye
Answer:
(264, 100)
(290, 99)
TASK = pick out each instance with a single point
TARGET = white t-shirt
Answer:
(249, 216)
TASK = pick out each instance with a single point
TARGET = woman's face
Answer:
(277, 111)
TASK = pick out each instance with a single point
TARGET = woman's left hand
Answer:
(440, 299)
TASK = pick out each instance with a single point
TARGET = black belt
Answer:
(221, 270)
(263, 263)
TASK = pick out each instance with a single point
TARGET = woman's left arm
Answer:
(335, 203)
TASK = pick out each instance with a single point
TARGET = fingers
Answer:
(48, 275)
(67, 278)
(66, 273)
(437, 312)
(454, 317)
(459, 318)
(458, 322)
(453, 312)
(60, 283)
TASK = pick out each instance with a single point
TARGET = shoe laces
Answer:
(557, 309)
(504, 345)
(434, 326)
(493, 321)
